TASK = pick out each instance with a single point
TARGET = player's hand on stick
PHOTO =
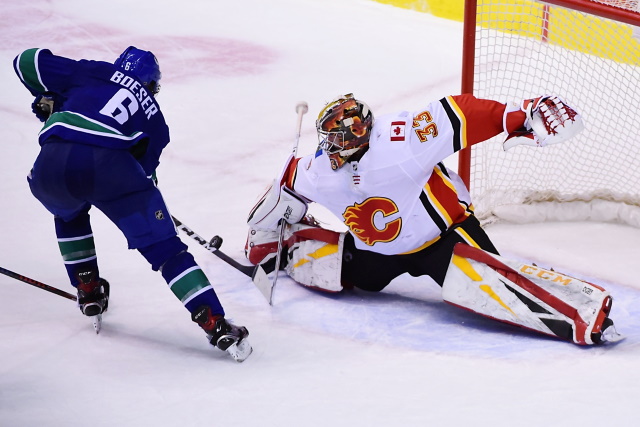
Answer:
(42, 107)
(549, 120)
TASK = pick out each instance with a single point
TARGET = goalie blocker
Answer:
(529, 296)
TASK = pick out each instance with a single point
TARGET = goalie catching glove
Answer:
(549, 120)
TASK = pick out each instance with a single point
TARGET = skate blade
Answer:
(97, 322)
(240, 351)
(611, 335)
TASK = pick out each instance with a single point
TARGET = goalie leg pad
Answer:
(527, 295)
(317, 263)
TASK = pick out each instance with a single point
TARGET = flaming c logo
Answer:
(359, 218)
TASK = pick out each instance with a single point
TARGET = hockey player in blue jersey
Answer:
(100, 146)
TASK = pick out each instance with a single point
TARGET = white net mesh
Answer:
(525, 49)
(622, 4)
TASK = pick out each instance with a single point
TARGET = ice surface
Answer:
(232, 75)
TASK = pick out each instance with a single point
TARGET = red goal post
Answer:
(588, 53)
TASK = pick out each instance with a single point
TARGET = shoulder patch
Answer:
(397, 131)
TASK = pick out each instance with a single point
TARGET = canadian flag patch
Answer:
(397, 131)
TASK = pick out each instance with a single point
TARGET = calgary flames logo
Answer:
(360, 220)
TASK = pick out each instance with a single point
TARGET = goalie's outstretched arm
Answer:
(540, 121)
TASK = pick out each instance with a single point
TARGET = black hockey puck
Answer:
(216, 242)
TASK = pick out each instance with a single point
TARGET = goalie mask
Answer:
(142, 64)
(344, 127)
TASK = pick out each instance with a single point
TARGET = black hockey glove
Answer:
(42, 107)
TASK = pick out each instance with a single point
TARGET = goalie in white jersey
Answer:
(406, 212)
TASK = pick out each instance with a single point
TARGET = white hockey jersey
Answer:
(399, 198)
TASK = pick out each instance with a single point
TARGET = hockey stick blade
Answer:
(211, 247)
(264, 284)
(257, 273)
(276, 264)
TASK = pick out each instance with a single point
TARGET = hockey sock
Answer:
(75, 241)
(185, 278)
(189, 284)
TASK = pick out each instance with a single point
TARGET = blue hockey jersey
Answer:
(96, 103)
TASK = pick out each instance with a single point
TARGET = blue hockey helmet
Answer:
(143, 64)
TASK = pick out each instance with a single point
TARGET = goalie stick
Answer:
(257, 273)
(301, 110)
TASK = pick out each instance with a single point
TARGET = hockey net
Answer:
(585, 51)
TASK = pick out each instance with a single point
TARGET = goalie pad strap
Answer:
(315, 233)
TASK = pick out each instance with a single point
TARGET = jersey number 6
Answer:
(121, 106)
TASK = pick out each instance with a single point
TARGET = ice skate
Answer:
(604, 331)
(607, 334)
(223, 334)
(93, 297)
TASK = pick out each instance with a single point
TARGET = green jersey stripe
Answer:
(78, 257)
(77, 250)
(186, 285)
(28, 67)
(84, 124)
